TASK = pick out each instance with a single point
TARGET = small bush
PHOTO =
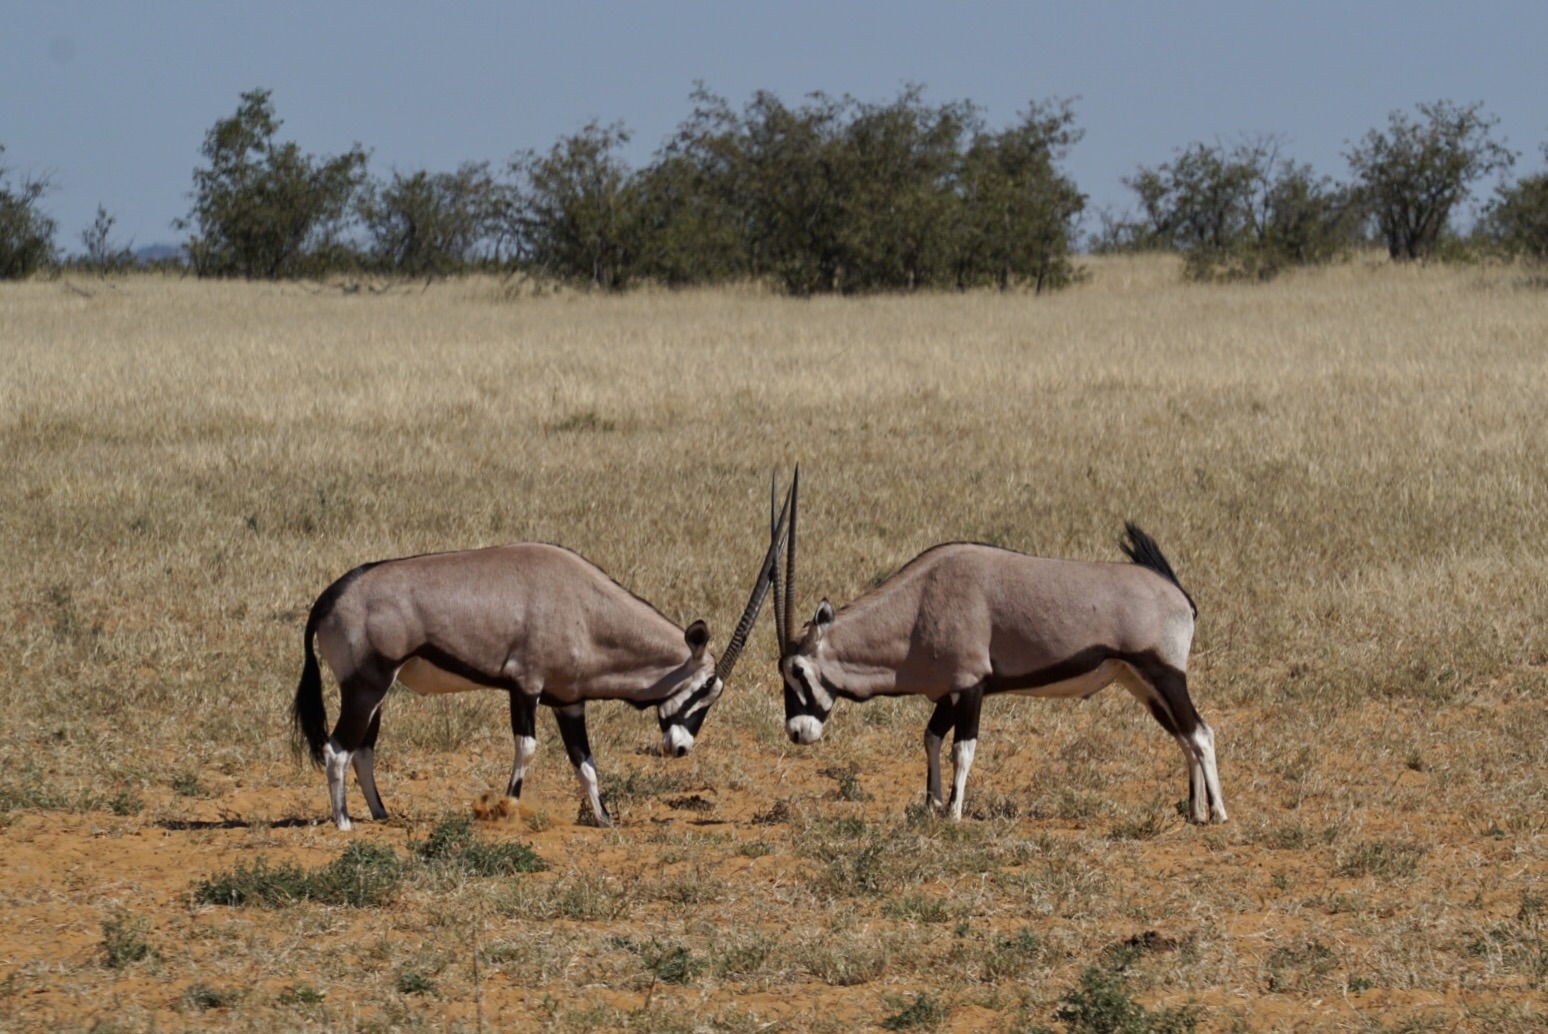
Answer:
(917, 908)
(123, 940)
(364, 875)
(925, 1012)
(413, 982)
(1101, 1005)
(845, 962)
(452, 842)
(203, 997)
(1145, 823)
(1297, 966)
(258, 884)
(849, 788)
(1382, 858)
(667, 961)
(1010, 957)
(186, 784)
(125, 802)
(301, 994)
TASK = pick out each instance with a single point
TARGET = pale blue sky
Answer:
(112, 100)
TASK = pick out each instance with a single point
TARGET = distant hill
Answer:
(154, 253)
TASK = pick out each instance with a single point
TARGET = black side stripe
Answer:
(455, 665)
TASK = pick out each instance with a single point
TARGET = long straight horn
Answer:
(787, 641)
(766, 572)
(779, 601)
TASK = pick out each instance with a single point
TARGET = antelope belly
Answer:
(425, 678)
(1100, 677)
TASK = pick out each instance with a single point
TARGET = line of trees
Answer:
(1245, 210)
(831, 195)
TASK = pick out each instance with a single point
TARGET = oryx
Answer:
(537, 621)
(963, 620)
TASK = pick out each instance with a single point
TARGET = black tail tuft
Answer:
(308, 716)
(309, 719)
(1142, 549)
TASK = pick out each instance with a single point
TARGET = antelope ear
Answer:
(697, 637)
(823, 618)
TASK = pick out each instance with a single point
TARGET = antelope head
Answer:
(681, 714)
(808, 696)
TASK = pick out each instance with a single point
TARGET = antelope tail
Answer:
(1142, 549)
(309, 719)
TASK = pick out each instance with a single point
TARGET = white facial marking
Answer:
(795, 685)
(676, 739)
(808, 684)
(804, 729)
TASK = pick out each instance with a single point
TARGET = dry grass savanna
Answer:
(1345, 467)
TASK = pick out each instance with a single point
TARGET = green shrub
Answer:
(453, 843)
(925, 1012)
(364, 875)
(1101, 1004)
(123, 939)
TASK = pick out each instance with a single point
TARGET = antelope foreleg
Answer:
(524, 729)
(964, 743)
(941, 721)
(572, 729)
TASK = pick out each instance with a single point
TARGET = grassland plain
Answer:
(1347, 469)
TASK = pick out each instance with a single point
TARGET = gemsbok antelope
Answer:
(537, 621)
(962, 620)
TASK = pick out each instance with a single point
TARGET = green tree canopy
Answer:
(1019, 210)
(424, 223)
(578, 212)
(1239, 211)
(1517, 219)
(26, 232)
(261, 208)
(1413, 175)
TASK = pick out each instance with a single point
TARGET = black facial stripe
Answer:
(834, 692)
(687, 705)
(812, 708)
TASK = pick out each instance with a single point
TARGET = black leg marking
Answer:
(572, 729)
(374, 731)
(941, 721)
(364, 762)
(1164, 691)
(969, 703)
(524, 729)
(360, 701)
